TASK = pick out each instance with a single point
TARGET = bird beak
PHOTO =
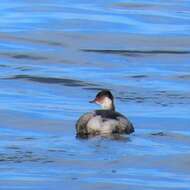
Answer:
(93, 101)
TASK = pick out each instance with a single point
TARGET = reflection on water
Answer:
(55, 56)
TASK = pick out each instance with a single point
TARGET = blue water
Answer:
(55, 56)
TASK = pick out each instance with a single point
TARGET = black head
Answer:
(105, 93)
(102, 94)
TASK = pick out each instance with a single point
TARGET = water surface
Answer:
(55, 56)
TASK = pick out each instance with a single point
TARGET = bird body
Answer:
(105, 121)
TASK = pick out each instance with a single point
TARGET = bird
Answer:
(105, 121)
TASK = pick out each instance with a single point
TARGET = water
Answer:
(55, 56)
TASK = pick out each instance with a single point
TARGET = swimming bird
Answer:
(103, 121)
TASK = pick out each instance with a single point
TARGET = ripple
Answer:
(51, 80)
(22, 156)
(162, 98)
(184, 77)
(159, 134)
(23, 56)
(135, 52)
(139, 76)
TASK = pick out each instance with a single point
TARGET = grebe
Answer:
(104, 121)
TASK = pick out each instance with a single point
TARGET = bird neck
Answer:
(108, 104)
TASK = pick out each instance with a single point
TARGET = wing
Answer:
(81, 124)
(125, 125)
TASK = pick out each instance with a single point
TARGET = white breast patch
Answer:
(97, 124)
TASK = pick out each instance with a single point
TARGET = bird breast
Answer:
(101, 125)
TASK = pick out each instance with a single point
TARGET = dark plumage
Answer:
(105, 121)
(105, 93)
